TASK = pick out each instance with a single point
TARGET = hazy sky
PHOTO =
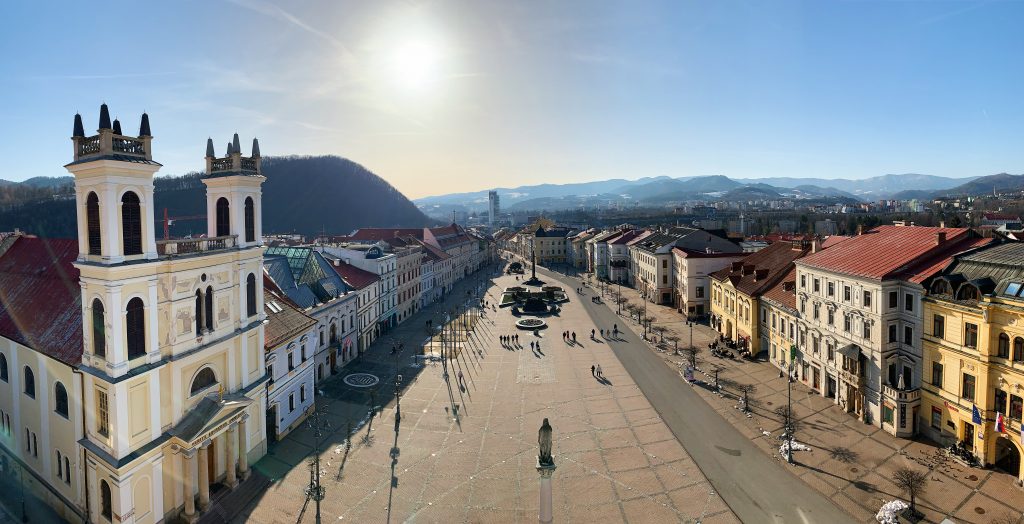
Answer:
(440, 97)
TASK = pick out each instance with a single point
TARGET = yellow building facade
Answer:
(974, 356)
(163, 393)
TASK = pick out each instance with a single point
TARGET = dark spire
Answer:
(209, 148)
(144, 126)
(104, 117)
(229, 149)
(79, 128)
(255, 148)
(235, 145)
(117, 127)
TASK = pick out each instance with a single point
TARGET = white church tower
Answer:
(173, 368)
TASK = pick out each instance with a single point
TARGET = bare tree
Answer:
(674, 339)
(621, 300)
(912, 481)
(789, 423)
(660, 330)
(648, 320)
(693, 354)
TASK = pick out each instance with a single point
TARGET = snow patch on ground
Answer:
(889, 514)
(797, 446)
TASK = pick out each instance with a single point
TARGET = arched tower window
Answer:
(3, 368)
(131, 224)
(135, 323)
(204, 379)
(223, 217)
(92, 221)
(250, 295)
(199, 312)
(60, 398)
(99, 330)
(250, 220)
(30, 382)
(209, 308)
(105, 508)
(1018, 349)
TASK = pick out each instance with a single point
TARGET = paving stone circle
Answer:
(361, 380)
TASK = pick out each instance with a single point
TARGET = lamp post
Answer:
(315, 491)
(789, 404)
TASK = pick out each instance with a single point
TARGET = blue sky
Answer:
(440, 96)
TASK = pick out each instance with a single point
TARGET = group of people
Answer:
(614, 330)
(570, 335)
(509, 340)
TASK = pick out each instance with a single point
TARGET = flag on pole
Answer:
(975, 414)
(1000, 423)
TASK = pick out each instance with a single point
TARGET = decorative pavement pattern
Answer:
(468, 454)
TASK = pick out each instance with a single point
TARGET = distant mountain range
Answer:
(303, 195)
(665, 190)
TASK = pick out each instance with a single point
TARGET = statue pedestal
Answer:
(545, 471)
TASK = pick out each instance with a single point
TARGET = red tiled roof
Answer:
(40, 297)
(833, 240)
(784, 291)
(922, 269)
(886, 251)
(284, 324)
(433, 252)
(353, 276)
(999, 216)
(766, 267)
(693, 253)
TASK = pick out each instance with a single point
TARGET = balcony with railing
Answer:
(191, 246)
(108, 144)
(901, 395)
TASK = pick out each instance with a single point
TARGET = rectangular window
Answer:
(102, 414)
(846, 323)
(846, 293)
(936, 417)
(971, 335)
(831, 317)
(1016, 406)
(887, 414)
(908, 335)
(968, 387)
(937, 374)
(894, 299)
(939, 326)
(803, 281)
(867, 299)
(291, 402)
(700, 291)
(908, 302)
(302, 393)
(817, 285)
(831, 289)
(892, 332)
(1000, 398)
(816, 312)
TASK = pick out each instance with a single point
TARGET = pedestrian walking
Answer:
(599, 372)
(592, 372)
(574, 336)
(531, 345)
(461, 381)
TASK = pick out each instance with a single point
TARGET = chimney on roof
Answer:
(738, 265)
(942, 223)
(815, 245)
(940, 237)
(860, 229)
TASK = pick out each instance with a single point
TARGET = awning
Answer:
(851, 351)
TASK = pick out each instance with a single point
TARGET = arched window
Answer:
(250, 220)
(99, 330)
(131, 224)
(334, 333)
(199, 312)
(30, 382)
(204, 379)
(60, 399)
(223, 217)
(3, 368)
(968, 292)
(60, 466)
(209, 308)
(67, 470)
(92, 221)
(105, 510)
(250, 295)
(1018, 349)
(135, 324)
(1004, 346)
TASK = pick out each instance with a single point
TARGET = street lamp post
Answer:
(789, 404)
(315, 491)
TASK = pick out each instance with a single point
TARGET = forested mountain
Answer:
(303, 195)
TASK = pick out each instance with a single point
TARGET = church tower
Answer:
(173, 367)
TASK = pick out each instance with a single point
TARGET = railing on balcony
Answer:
(188, 246)
(901, 395)
(248, 164)
(89, 145)
(128, 146)
(222, 164)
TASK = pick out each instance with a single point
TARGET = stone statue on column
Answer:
(544, 443)
(546, 468)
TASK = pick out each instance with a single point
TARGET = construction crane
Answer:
(170, 220)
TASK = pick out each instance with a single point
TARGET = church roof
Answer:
(40, 297)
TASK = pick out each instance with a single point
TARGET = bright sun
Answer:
(415, 64)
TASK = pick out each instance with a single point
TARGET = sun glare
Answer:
(415, 64)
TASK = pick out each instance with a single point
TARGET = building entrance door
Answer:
(211, 461)
(969, 435)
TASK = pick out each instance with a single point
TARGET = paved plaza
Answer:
(617, 460)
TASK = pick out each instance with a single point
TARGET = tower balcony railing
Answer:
(108, 143)
(189, 246)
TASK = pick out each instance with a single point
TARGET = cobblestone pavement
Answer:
(617, 461)
(850, 462)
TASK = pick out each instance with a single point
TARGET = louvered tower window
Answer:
(250, 220)
(131, 224)
(92, 220)
(223, 217)
(136, 328)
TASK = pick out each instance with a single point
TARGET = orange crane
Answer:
(170, 220)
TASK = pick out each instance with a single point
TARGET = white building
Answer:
(290, 344)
